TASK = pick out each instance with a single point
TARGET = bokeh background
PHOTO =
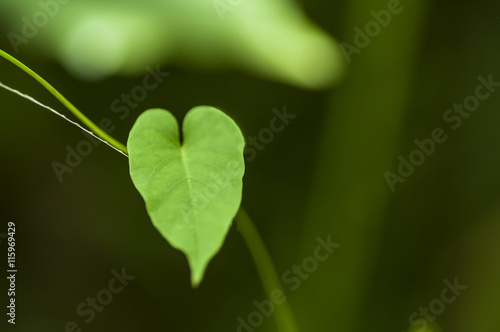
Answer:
(321, 176)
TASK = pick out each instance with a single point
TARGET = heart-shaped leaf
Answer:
(192, 190)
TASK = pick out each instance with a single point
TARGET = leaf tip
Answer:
(196, 277)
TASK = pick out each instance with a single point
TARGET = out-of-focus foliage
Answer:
(98, 38)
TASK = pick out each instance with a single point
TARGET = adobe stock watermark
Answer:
(120, 106)
(292, 278)
(31, 27)
(223, 6)
(265, 136)
(372, 29)
(89, 308)
(454, 117)
(425, 315)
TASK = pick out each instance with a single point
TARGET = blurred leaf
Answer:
(349, 196)
(96, 39)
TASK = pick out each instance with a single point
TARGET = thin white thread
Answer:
(33, 100)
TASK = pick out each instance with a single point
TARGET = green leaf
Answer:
(192, 190)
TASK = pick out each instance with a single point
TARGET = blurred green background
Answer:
(323, 175)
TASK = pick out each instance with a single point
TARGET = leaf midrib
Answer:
(190, 189)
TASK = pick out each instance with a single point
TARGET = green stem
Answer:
(283, 314)
(265, 267)
(92, 126)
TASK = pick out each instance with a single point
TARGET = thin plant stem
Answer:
(36, 102)
(92, 126)
(283, 316)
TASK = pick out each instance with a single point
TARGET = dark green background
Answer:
(323, 175)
